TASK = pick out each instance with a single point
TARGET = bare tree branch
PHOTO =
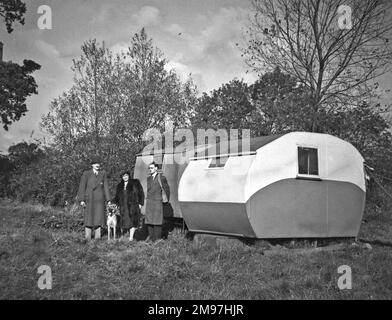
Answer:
(304, 39)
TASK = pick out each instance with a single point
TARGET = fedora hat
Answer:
(95, 159)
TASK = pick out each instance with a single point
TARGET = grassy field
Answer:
(34, 235)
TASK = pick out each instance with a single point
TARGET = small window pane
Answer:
(218, 162)
(307, 161)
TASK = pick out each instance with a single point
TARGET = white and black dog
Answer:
(112, 211)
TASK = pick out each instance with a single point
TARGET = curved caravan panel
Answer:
(294, 208)
(212, 199)
(297, 185)
(282, 202)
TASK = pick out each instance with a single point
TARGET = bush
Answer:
(53, 177)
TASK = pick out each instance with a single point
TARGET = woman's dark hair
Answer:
(126, 172)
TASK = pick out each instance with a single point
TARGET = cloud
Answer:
(47, 49)
(224, 29)
(175, 29)
(211, 53)
(147, 16)
(205, 47)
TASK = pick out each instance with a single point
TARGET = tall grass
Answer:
(176, 268)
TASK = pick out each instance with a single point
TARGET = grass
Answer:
(34, 235)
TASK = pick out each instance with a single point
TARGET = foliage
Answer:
(6, 167)
(280, 105)
(114, 100)
(16, 84)
(370, 133)
(117, 98)
(227, 107)
(11, 11)
(23, 154)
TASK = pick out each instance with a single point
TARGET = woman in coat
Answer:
(130, 198)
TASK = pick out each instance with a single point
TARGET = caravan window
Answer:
(218, 162)
(307, 161)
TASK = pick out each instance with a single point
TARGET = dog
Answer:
(112, 211)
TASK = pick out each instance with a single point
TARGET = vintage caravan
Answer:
(296, 185)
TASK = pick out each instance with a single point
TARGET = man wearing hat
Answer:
(93, 194)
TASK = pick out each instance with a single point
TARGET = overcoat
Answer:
(94, 191)
(128, 200)
(154, 206)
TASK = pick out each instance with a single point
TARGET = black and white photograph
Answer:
(214, 152)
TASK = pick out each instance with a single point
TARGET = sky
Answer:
(198, 37)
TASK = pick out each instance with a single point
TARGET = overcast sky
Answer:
(196, 36)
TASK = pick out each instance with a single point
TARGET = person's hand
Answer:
(82, 203)
(140, 206)
(109, 202)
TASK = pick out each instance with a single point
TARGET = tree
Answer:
(16, 84)
(86, 119)
(281, 104)
(335, 48)
(11, 11)
(274, 104)
(368, 131)
(114, 100)
(23, 154)
(18, 168)
(227, 107)
(6, 167)
(154, 93)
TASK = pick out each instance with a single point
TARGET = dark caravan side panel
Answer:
(346, 204)
(296, 208)
(217, 218)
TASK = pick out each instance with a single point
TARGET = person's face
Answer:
(125, 177)
(152, 169)
(96, 166)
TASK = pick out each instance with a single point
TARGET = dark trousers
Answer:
(154, 231)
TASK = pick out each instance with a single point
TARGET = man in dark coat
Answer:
(93, 194)
(154, 205)
(130, 198)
